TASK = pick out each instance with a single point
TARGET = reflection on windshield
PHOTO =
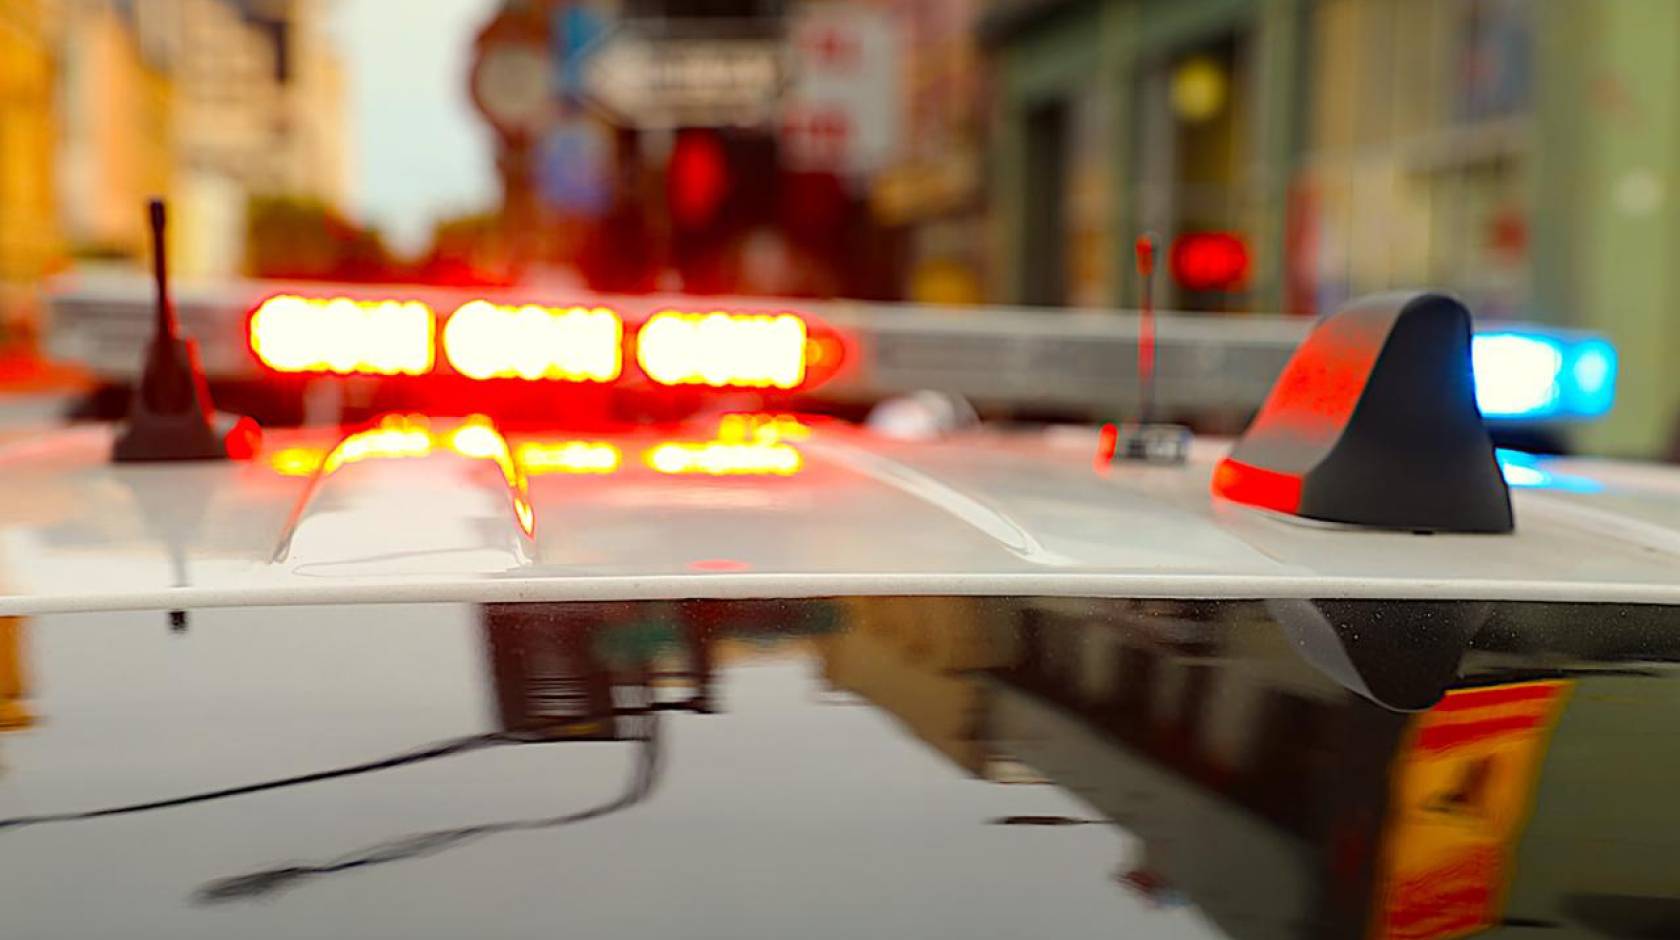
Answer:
(1267, 785)
(14, 712)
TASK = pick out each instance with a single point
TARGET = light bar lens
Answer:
(343, 336)
(1541, 376)
(576, 344)
(723, 349)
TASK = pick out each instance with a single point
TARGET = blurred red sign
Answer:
(1210, 261)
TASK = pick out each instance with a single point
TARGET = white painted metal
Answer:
(981, 513)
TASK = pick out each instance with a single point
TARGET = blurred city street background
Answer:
(1287, 154)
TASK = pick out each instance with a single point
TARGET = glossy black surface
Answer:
(878, 766)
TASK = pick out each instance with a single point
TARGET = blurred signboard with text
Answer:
(844, 110)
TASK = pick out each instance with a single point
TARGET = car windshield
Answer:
(832, 767)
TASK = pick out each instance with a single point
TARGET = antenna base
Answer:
(1144, 443)
(171, 418)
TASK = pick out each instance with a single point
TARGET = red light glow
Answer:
(343, 336)
(719, 564)
(723, 349)
(478, 437)
(1257, 486)
(242, 439)
(698, 177)
(396, 436)
(1210, 261)
(1108, 441)
(760, 428)
(575, 344)
(296, 461)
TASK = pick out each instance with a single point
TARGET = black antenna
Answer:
(1146, 327)
(172, 417)
(158, 216)
(1144, 440)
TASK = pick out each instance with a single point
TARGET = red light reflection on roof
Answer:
(1108, 441)
(395, 437)
(573, 457)
(719, 564)
(718, 458)
(398, 437)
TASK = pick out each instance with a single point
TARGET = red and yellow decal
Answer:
(1460, 795)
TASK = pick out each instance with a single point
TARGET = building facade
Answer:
(1520, 153)
(29, 240)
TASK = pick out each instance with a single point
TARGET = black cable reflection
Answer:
(643, 778)
(429, 752)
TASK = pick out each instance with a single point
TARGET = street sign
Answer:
(675, 74)
(511, 77)
(843, 112)
(574, 30)
(574, 166)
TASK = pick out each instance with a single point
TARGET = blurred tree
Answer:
(468, 250)
(306, 239)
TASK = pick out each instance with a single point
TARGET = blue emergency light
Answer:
(1532, 374)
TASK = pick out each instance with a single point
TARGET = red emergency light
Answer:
(718, 349)
(342, 336)
(482, 340)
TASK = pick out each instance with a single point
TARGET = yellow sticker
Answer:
(1460, 795)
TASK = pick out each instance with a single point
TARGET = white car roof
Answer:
(984, 512)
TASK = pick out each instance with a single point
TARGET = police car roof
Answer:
(437, 516)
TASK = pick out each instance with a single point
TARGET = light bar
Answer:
(343, 336)
(1533, 375)
(576, 344)
(723, 349)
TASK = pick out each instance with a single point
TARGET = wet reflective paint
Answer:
(836, 767)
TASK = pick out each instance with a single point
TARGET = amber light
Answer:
(483, 340)
(723, 349)
(343, 336)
